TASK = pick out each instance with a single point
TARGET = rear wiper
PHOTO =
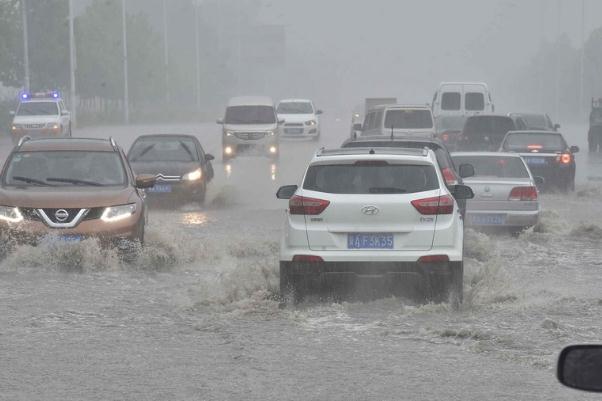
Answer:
(30, 180)
(386, 190)
(75, 181)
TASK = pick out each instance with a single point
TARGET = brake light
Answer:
(523, 194)
(433, 259)
(534, 146)
(436, 205)
(449, 176)
(564, 158)
(307, 259)
(306, 206)
(445, 137)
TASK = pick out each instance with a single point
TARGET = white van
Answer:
(462, 98)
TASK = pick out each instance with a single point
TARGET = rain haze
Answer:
(285, 200)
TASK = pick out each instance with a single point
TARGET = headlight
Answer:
(116, 213)
(193, 175)
(270, 133)
(228, 150)
(15, 127)
(52, 126)
(229, 133)
(10, 214)
(310, 122)
(273, 149)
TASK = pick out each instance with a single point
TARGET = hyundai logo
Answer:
(370, 210)
(61, 215)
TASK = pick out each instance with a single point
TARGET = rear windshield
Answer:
(38, 109)
(451, 101)
(65, 168)
(535, 121)
(163, 150)
(494, 166)
(474, 101)
(371, 179)
(408, 119)
(534, 142)
(250, 115)
(295, 108)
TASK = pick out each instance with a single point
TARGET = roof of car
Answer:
(534, 131)
(295, 101)
(475, 116)
(67, 144)
(504, 154)
(174, 136)
(396, 138)
(251, 101)
(401, 106)
(376, 153)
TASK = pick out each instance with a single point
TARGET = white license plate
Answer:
(160, 188)
(535, 161)
(370, 241)
(487, 219)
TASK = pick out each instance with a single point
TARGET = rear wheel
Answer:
(456, 286)
(290, 286)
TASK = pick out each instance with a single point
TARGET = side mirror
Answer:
(219, 121)
(574, 149)
(556, 126)
(286, 192)
(12, 112)
(318, 112)
(539, 180)
(357, 126)
(209, 157)
(466, 170)
(65, 113)
(580, 367)
(463, 192)
(145, 181)
(280, 122)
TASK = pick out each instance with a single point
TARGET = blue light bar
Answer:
(39, 95)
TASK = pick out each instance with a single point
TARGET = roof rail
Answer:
(113, 144)
(23, 140)
(373, 150)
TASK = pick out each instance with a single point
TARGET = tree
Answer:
(11, 44)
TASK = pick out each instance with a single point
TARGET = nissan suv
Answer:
(381, 216)
(69, 190)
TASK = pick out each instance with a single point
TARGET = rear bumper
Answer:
(371, 256)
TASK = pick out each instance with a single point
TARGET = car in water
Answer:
(300, 118)
(533, 122)
(378, 217)
(547, 155)
(181, 167)
(505, 192)
(484, 132)
(71, 189)
(397, 119)
(448, 129)
(40, 115)
(250, 126)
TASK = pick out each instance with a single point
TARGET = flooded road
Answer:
(196, 316)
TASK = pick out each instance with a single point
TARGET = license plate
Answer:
(70, 238)
(487, 219)
(293, 130)
(160, 188)
(535, 161)
(370, 241)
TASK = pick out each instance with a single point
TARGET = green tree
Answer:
(11, 44)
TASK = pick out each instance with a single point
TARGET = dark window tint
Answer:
(163, 149)
(535, 121)
(295, 108)
(535, 142)
(408, 119)
(451, 101)
(65, 168)
(250, 115)
(474, 101)
(488, 125)
(450, 123)
(38, 109)
(494, 166)
(371, 179)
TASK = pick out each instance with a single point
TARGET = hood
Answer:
(35, 119)
(250, 127)
(65, 197)
(296, 118)
(165, 168)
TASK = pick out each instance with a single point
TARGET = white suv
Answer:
(380, 215)
(40, 115)
(300, 119)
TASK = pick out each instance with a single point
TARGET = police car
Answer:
(40, 115)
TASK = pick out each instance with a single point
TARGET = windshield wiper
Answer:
(182, 144)
(75, 181)
(30, 180)
(144, 151)
(386, 190)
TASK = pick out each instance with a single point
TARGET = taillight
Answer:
(449, 176)
(307, 206)
(433, 259)
(523, 194)
(564, 158)
(436, 205)
(307, 259)
(445, 137)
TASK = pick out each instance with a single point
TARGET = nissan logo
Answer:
(370, 210)
(61, 215)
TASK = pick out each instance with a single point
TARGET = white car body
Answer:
(462, 99)
(304, 125)
(377, 118)
(41, 126)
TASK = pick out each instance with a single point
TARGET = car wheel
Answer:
(456, 286)
(200, 197)
(290, 287)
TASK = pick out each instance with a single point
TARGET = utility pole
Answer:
(198, 55)
(126, 95)
(557, 69)
(72, 95)
(25, 44)
(166, 53)
(582, 61)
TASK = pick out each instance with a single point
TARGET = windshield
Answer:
(164, 149)
(408, 119)
(494, 166)
(295, 108)
(38, 109)
(371, 179)
(65, 168)
(535, 142)
(250, 115)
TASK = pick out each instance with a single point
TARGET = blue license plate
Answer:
(370, 241)
(160, 188)
(536, 161)
(293, 130)
(70, 238)
(487, 219)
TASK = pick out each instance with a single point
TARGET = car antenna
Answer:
(371, 151)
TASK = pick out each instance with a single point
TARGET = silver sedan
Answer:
(505, 190)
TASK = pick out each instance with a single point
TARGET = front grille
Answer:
(250, 135)
(51, 213)
(34, 126)
(31, 214)
(293, 125)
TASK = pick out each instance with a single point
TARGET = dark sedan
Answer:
(181, 166)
